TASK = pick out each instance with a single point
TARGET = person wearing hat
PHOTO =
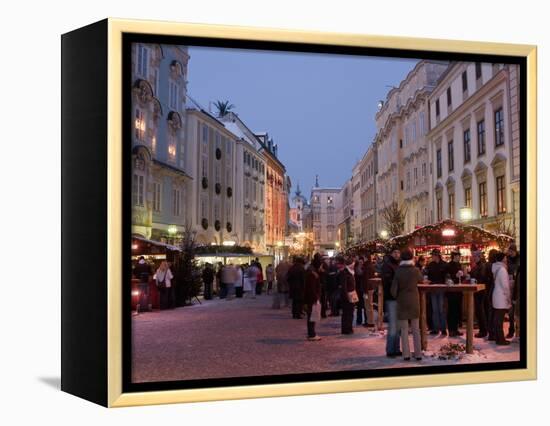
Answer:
(436, 271)
(405, 290)
(454, 300)
(346, 282)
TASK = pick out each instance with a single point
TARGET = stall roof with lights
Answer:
(449, 232)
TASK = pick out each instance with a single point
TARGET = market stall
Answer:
(154, 252)
(448, 236)
(370, 247)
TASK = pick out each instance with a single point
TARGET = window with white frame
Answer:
(157, 191)
(204, 151)
(172, 151)
(139, 125)
(176, 201)
(217, 212)
(422, 123)
(142, 60)
(138, 190)
(204, 207)
(173, 94)
(156, 82)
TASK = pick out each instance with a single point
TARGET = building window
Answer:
(449, 97)
(499, 127)
(501, 195)
(437, 108)
(408, 180)
(422, 125)
(468, 197)
(451, 155)
(481, 137)
(171, 147)
(483, 199)
(438, 166)
(156, 82)
(173, 90)
(138, 189)
(416, 176)
(423, 172)
(176, 202)
(142, 60)
(139, 125)
(464, 82)
(156, 196)
(439, 208)
(478, 70)
(467, 146)
(204, 208)
(451, 205)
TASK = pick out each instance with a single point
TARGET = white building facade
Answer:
(474, 141)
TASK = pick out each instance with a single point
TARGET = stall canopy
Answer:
(143, 246)
(449, 232)
(374, 246)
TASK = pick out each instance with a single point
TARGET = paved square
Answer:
(245, 337)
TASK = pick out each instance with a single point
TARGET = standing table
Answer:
(468, 290)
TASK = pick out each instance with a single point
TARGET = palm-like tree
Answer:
(223, 107)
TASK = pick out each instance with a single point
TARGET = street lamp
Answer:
(172, 230)
(465, 214)
(384, 234)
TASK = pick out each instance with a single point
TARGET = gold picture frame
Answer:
(115, 30)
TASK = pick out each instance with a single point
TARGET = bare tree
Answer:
(394, 218)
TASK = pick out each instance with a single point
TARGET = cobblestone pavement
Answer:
(245, 337)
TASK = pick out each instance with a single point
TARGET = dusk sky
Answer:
(319, 109)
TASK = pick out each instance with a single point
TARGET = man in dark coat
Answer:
(405, 290)
(296, 282)
(208, 279)
(360, 287)
(436, 271)
(478, 272)
(454, 300)
(312, 295)
(346, 283)
(391, 262)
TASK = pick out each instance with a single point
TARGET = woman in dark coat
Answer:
(312, 296)
(296, 282)
(405, 290)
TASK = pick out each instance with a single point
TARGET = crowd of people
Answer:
(340, 286)
(237, 281)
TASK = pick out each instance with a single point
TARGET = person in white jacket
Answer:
(502, 297)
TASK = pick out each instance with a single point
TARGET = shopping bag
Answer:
(316, 312)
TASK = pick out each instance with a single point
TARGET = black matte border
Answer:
(129, 38)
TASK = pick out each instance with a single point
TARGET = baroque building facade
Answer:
(159, 160)
(402, 148)
(324, 217)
